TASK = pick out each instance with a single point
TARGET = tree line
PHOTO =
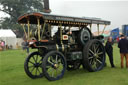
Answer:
(15, 8)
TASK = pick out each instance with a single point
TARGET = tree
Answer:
(15, 8)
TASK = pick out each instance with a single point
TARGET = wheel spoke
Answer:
(100, 53)
(97, 51)
(60, 68)
(31, 62)
(30, 66)
(98, 61)
(50, 69)
(34, 59)
(50, 62)
(32, 69)
(60, 64)
(94, 64)
(59, 61)
(90, 57)
(52, 72)
(40, 65)
(94, 48)
(56, 59)
(91, 51)
(51, 59)
(91, 61)
(38, 70)
(40, 61)
(97, 47)
(98, 57)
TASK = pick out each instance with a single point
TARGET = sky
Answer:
(111, 10)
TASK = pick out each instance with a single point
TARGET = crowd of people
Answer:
(122, 45)
(4, 46)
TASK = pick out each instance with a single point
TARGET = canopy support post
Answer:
(49, 29)
(38, 21)
(61, 37)
(43, 28)
(90, 27)
(24, 31)
(104, 29)
(98, 28)
(28, 29)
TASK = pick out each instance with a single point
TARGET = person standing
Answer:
(25, 46)
(109, 50)
(2, 44)
(123, 45)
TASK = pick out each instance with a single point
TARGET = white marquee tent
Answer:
(8, 36)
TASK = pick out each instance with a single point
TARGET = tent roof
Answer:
(7, 33)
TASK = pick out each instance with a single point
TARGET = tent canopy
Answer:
(8, 36)
(7, 33)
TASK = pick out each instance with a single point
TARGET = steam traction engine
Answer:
(63, 42)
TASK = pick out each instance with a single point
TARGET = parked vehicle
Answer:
(71, 46)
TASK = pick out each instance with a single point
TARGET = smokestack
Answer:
(46, 6)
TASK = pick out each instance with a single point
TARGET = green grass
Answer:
(12, 72)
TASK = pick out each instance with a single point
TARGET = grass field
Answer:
(12, 72)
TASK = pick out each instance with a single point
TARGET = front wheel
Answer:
(93, 55)
(54, 65)
(32, 65)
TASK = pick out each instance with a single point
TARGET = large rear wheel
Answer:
(93, 55)
(54, 65)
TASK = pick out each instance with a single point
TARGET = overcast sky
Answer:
(116, 11)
